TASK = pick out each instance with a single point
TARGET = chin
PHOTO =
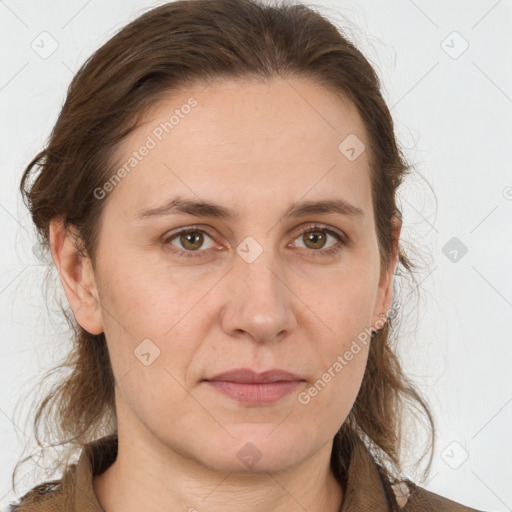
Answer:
(257, 449)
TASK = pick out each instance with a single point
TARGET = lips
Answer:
(248, 376)
(250, 387)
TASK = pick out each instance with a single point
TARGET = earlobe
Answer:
(77, 277)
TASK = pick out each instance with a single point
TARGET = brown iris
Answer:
(191, 240)
(317, 238)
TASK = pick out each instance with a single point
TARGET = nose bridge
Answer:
(259, 303)
(259, 277)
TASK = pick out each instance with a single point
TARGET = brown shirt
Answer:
(366, 488)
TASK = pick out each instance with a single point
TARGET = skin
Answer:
(255, 147)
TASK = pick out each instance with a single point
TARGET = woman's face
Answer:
(245, 291)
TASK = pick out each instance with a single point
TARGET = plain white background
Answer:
(447, 75)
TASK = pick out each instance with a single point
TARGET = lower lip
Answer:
(257, 393)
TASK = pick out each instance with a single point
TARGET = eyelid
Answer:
(331, 230)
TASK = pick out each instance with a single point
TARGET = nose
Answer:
(259, 302)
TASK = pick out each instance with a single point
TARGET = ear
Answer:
(385, 291)
(77, 277)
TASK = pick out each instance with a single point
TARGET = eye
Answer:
(317, 237)
(189, 241)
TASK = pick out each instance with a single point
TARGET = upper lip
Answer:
(246, 375)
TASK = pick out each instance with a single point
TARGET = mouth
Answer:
(250, 387)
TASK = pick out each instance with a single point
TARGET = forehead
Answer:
(277, 139)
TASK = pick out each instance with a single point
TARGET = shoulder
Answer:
(419, 499)
(48, 496)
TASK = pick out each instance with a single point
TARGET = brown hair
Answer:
(165, 49)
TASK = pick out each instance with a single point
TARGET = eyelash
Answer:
(342, 241)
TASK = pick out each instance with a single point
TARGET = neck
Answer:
(148, 475)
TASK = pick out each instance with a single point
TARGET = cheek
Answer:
(146, 323)
(344, 296)
(145, 299)
(330, 396)
(341, 352)
(154, 396)
(344, 305)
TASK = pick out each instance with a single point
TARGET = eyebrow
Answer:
(180, 206)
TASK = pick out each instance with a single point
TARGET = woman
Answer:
(218, 196)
